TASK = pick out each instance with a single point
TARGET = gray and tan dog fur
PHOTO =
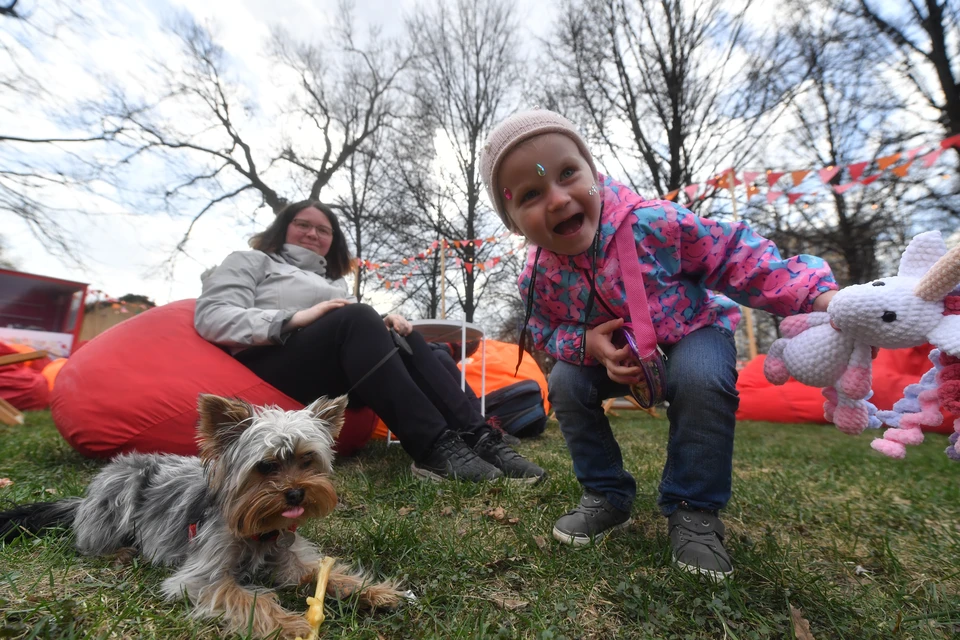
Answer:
(226, 520)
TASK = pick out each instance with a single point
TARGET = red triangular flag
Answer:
(870, 179)
(468, 266)
(798, 176)
(793, 197)
(477, 243)
(773, 195)
(843, 188)
(886, 161)
(952, 141)
(691, 191)
(826, 175)
(856, 169)
(931, 157)
(773, 176)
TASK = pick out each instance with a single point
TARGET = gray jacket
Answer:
(248, 299)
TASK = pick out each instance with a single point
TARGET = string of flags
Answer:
(827, 175)
(415, 261)
(103, 300)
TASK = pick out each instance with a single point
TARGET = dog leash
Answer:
(400, 342)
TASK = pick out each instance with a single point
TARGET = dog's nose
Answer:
(294, 496)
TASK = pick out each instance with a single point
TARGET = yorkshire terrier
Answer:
(226, 520)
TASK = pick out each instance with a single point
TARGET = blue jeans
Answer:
(701, 389)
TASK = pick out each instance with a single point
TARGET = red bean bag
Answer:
(135, 387)
(893, 369)
(20, 384)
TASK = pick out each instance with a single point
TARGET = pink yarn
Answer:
(889, 448)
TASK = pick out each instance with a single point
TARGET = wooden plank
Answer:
(10, 414)
(15, 358)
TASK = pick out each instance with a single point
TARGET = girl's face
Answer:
(547, 187)
(311, 229)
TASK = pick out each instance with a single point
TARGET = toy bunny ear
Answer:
(941, 279)
(921, 254)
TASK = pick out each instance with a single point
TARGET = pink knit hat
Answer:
(511, 132)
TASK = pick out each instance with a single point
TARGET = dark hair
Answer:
(272, 239)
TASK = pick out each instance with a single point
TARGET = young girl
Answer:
(543, 183)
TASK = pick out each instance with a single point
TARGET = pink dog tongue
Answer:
(296, 512)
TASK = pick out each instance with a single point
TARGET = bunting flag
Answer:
(952, 141)
(773, 195)
(826, 175)
(856, 170)
(750, 176)
(670, 196)
(773, 176)
(691, 191)
(752, 190)
(870, 179)
(901, 171)
(793, 197)
(798, 176)
(932, 157)
(843, 188)
(885, 162)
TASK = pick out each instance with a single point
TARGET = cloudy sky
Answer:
(122, 248)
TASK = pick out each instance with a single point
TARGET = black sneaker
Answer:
(697, 541)
(590, 521)
(508, 439)
(451, 458)
(514, 466)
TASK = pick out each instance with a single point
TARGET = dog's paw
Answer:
(295, 626)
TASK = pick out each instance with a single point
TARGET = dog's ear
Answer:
(330, 411)
(222, 420)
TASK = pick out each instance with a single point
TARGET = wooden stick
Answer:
(9, 414)
(747, 311)
(15, 358)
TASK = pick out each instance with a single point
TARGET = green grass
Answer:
(865, 546)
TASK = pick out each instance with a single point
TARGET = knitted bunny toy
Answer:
(832, 349)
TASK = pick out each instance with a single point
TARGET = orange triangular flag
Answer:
(798, 176)
(901, 171)
(670, 196)
(886, 161)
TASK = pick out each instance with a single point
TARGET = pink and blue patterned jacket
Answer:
(695, 271)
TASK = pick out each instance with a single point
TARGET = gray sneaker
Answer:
(451, 459)
(590, 521)
(697, 541)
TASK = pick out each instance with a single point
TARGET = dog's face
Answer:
(268, 468)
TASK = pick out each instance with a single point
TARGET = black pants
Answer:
(416, 396)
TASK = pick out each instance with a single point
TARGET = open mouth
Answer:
(569, 226)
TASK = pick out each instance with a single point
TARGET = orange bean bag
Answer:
(501, 363)
(135, 387)
(893, 369)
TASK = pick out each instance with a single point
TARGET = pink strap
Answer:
(643, 331)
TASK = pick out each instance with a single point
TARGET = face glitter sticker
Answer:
(594, 190)
(506, 194)
(540, 170)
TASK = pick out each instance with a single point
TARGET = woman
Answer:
(283, 310)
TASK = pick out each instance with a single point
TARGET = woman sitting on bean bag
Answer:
(283, 310)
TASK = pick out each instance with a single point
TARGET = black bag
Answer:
(519, 407)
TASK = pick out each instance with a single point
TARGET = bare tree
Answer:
(669, 90)
(204, 123)
(48, 156)
(463, 71)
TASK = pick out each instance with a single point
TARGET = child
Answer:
(542, 182)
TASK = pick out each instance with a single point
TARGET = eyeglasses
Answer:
(304, 227)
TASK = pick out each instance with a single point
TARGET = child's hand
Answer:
(600, 346)
(820, 302)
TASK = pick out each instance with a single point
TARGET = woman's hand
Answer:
(600, 346)
(398, 323)
(305, 317)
